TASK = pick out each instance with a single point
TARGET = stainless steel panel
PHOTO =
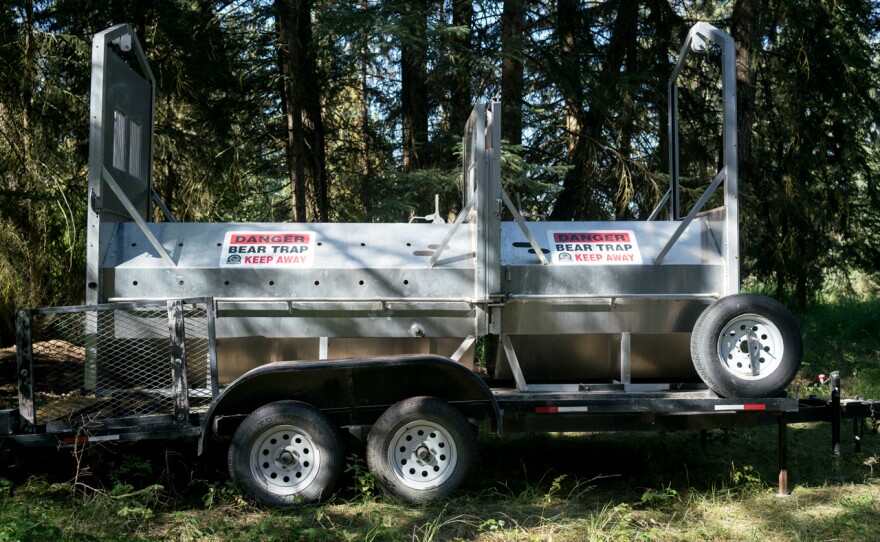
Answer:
(237, 355)
(596, 358)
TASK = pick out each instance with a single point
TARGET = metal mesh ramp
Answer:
(80, 365)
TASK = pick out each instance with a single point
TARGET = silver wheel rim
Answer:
(422, 455)
(285, 459)
(751, 347)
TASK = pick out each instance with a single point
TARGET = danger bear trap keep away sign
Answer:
(279, 249)
(617, 247)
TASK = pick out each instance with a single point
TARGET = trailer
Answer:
(276, 339)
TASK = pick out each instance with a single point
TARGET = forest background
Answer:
(352, 111)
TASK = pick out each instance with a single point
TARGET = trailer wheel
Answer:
(421, 448)
(286, 453)
(746, 345)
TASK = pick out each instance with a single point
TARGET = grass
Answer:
(560, 487)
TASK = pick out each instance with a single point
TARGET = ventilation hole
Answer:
(180, 283)
(442, 445)
(423, 252)
(265, 452)
(320, 244)
(436, 468)
(763, 337)
(219, 244)
(409, 438)
(306, 464)
(305, 450)
(433, 435)
(730, 356)
(363, 244)
(265, 465)
(317, 282)
(424, 474)
(286, 479)
(766, 349)
(271, 283)
(285, 437)
(134, 244)
(762, 360)
(273, 441)
(433, 247)
(225, 283)
(420, 433)
(442, 457)
(274, 475)
(403, 461)
(298, 475)
(412, 471)
(742, 328)
(180, 244)
(402, 449)
(405, 282)
(361, 282)
(732, 333)
(298, 440)
(135, 283)
(740, 365)
(409, 244)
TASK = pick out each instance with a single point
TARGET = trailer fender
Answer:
(354, 391)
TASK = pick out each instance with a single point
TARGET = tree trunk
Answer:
(512, 22)
(745, 28)
(461, 51)
(413, 83)
(301, 103)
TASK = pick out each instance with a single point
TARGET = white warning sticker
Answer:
(617, 247)
(268, 249)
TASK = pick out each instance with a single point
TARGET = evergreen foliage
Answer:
(388, 87)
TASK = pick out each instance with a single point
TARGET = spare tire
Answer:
(746, 345)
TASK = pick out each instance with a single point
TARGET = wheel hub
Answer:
(423, 454)
(285, 459)
(750, 346)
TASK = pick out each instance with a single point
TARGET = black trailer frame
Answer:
(115, 337)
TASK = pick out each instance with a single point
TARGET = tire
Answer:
(735, 330)
(421, 449)
(286, 453)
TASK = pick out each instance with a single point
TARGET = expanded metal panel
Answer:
(105, 362)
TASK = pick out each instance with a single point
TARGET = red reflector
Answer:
(754, 407)
(76, 440)
(546, 409)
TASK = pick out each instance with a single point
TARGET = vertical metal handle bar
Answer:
(696, 40)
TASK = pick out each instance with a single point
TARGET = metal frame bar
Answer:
(123, 198)
(459, 220)
(521, 222)
(27, 407)
(690, 216)
(179, 382)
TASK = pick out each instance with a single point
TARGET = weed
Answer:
(364, 480)
(665, 496)
(745, 478)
